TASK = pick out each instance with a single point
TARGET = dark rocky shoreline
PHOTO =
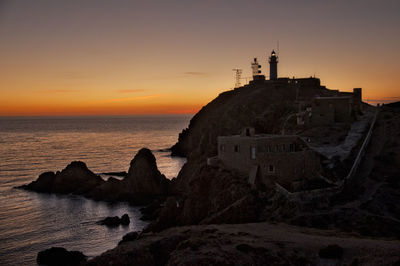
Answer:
(183, 209)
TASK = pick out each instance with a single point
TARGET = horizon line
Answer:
(94, 115)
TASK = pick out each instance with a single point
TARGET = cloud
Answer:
(134, 98)
(180, 76)
(75, 75)
(131, 91)
(196, 73)
(58, 91)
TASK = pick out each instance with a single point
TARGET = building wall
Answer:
(239, 160)
(328, 110)
(281, 159)
(287, 167)
(322, 114)
(357, 100)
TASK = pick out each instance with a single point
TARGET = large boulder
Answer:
(60, 257)
(115, 220)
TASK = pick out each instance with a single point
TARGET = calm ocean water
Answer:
(29, 221)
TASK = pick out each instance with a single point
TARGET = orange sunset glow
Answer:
(133, 57)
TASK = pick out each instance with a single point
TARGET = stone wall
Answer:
(328, 110)
(279, 158)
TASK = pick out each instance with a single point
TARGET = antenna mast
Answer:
(278, 49)
(238, 77)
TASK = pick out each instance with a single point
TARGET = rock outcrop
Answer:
(142, 185)
(144, 178)
(57, 256)
(76, 178)
(115, 221)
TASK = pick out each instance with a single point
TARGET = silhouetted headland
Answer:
(279, 171)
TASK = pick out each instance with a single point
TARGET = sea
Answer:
(30, 221)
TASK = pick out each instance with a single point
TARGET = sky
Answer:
(97, 57)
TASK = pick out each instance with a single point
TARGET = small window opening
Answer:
(253, 153)
(271, 168)
(291, 147)
(236, 148)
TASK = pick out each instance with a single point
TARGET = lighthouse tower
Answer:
(273, 66)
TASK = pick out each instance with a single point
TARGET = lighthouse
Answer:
(273, 66)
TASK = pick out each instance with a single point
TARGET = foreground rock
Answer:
(249, 244)
(208, 195)
(116, 221)
(142, 185)
(60, 257)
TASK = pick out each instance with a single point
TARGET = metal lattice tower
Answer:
(238, 77)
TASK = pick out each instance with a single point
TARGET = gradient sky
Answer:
(135, 57)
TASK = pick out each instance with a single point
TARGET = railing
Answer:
(364, 146)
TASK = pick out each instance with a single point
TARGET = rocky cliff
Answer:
(205, 195)
(262, 106)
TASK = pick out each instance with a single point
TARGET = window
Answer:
(253, 153)
(247, 132)
(236, 148)
(222, 147)
(271, 168)
(283, 147)
(291, 147)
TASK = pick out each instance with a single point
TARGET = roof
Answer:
(262, 136)
(332, 97)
